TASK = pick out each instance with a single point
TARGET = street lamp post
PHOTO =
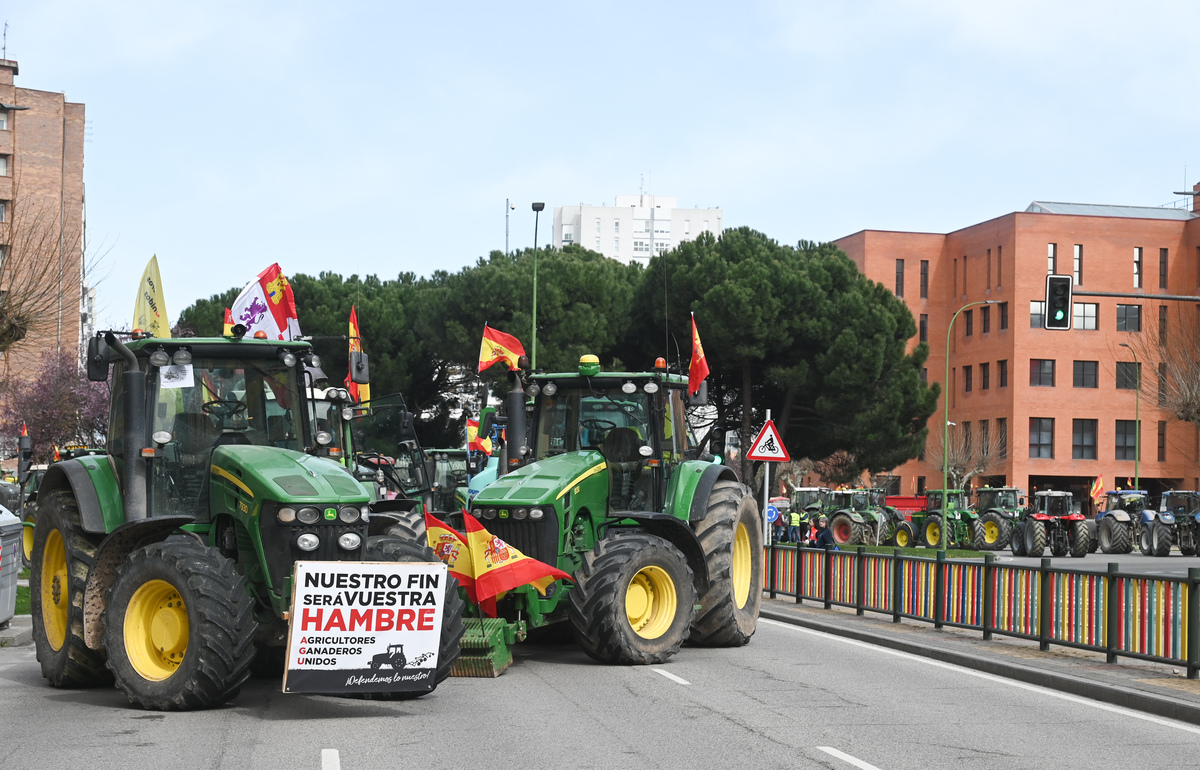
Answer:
(1137, 417)
(946, 425)
(537, 209)
(508, 206)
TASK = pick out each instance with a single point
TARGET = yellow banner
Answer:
(150, 308)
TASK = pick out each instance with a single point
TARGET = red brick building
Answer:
(1063, 403)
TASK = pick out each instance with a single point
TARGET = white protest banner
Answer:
(364, 627)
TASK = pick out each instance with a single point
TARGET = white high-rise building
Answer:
(637, 227)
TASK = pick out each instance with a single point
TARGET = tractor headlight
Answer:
(650, 387)
(550, 389)
(308, 515)
(536, 514)
(348, 514)
(160, 357)
(308, 542)
(628, 387)
(365, 511)
(520, 513)
(182, 357)
(287, 358)
(350, 541)
(347, 414)
(286, 515)
(488, 513)
(324, 438)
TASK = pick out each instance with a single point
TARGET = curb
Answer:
(1158, 705)
(18, 633)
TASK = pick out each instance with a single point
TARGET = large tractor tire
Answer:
(634, 599)
(179, 627)
(408, 525)
(28, 516)
(996, 531)
(1144, 539)
(1115, 536)
(1160, 539)
(845, 530)
(1035, 538)
(405, 549)
(1016, 539)
(904, 536)
(1093, 540)
(731, 535)
(63, 555)
(1081, 539)
(931, 533)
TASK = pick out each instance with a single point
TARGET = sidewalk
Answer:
(1156, 688)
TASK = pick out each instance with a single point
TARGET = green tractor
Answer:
(167, 564)
(959, 519)
(997, 510)
(663, 544)
(862, 516)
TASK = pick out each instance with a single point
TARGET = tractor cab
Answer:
(1054, 504)
(382, 449)
(1180, 503)
(956, 500)
(810, 498)
(1003, 499)
(1131, 501)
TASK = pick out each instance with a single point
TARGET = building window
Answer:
(1037, 311)
(3, 165)
(989, 268)
(899, 277)
(969, 323)
(964, 274)
(706, 225)
(568, 235)
(616, 225)
(968, 439)
(984, 436)
(1078, 264)
(920, 485)
(1003, 373)
(1162, 441)
(954, 286)
(1003, 316)
(1162, 325)
(985, 376)
(1127, 443)
(616, 245)
(3, 211)
(1127, 375)
(1137, 267)
(1162, 268)
(597, 243)
(641, 247)
(1086, 374)
(985, 318)
(1086, 315)
(687, 227)
(1083, 439)
(1002, 436)
(1129, 318)
(924, 327)
(1052, 258)
(1041, 437)
(924, 374)
(1000, 269)
(3, 120)
(967, 379)
(1041, 372)
(597, 224)
(924, 278)
(1162, 384)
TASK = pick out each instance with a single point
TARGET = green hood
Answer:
(542, 482)
(283, 475)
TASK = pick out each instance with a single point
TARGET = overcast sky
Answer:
(385, 137)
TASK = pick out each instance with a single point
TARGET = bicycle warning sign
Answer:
(768, 446)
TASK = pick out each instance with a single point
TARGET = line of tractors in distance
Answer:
(995, 518)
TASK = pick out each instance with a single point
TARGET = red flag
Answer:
(474, 442)
(499, 567)
(360, 393)
(498, 346)
(699, 368)
(451, 547)
(24, 430)
(227, 327)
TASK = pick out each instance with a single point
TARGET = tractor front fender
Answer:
(678, 533)
(709, 475)
(93, 484)
(115, 548)
(1119, 515)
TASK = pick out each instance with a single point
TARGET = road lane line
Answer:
(672, 677)
(330, 760)
(831, 751)
(993, 678)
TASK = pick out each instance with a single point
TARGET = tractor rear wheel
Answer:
(634, 599)
(1160, 539)
(845, 531)
(1114, 536)
(1035, 538)
(28, 516)
(1144, 539)
(63, 555)
(904, 535)
(407, 525)
(1016, 539)
(731, 535)
(996, 531)
(931, 534)
(1081, 539)
(179, 627)
(406, 549)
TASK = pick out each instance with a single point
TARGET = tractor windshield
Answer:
(998, 498)
(602, 419)
(1180, 503)
(803, 498)
(1058, 505)
(933, 499)
(384, 440)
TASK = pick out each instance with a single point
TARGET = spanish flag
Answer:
(451, 548)
(699, 367)
(1098, 487)
(474, 442)
(499, 567)
(360, 393)
(228, 325)
(498, 346)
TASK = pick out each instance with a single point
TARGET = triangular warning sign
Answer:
(768, 445)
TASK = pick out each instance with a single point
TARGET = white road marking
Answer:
(831, 751)
(998, 679)
(672, 677)
(330, 760)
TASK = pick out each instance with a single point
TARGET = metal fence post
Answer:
(772, 558)
(989, 595)
(796, 572)
(897, 585)
(1044, 606)
(1111, 604)
(860, 568)
(939, 589)
(828, 577)
(1193, 623)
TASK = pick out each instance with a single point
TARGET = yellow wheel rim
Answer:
(56, 598)
(156, 630)
(933, 533)
(741, 569)
(902, 538)
(651, 602)
(27, 542)
(991, 533)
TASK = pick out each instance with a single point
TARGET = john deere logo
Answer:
(330, 514)
(243, 507)
(504, 513)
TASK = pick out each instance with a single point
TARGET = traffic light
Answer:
(1058, 303)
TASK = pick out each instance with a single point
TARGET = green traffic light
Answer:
(1059, 315)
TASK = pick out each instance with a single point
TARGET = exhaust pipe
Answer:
(133, 437)
(515, 431)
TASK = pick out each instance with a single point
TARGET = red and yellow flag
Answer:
(228, 324)
(498, 346)
(499, 567)
(474, 442)
(699, 368)
(451, 548)
(1098, 487)
(24, 429)
(360, 393)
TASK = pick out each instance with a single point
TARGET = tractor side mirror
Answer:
(700, 398)
(97, 360)
(486, 418)
(405, 429)
(1021, 501)
(360, 373)
(25, 459)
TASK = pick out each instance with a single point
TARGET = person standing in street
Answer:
(824, 535)
(794, 529)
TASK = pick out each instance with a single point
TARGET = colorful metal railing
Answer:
(1118, 613)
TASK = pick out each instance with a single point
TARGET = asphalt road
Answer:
(792, 698)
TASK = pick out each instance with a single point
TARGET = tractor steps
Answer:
(486, 647)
